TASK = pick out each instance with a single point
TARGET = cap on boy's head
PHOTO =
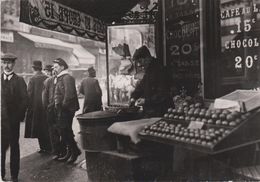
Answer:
(91, 69)
(48, 67)
(142, 52)
(8, 57)
(37, 64)
(61, 62)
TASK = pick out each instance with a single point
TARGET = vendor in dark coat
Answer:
(152, 92)
(66, 104)
(13, 107)
(35, 123)
(58, 147)
(90, 88)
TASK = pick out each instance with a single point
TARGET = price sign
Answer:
(195, 125)
(183, 42)
(240, 30)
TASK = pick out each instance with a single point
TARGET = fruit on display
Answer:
(195, 112)
(178, 131)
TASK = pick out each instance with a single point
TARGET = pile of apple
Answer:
(195, 112)
(179, 132)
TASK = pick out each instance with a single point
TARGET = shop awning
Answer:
(80, 53)
(45, 42)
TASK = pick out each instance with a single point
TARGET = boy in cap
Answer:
(35, 123)
(90, 88)
(13, 107)
(153, 91)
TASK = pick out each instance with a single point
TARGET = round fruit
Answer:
(204, 143)
(208, 114)
(230, 117)
(187, 118)
(238, 120)
(204, 120)
(232, 123)
(192, 140)
(171, 116)
(176, 117)
(188, 140)
(197, 105)
(214, 116)
(210, 121)
(166, 115)
(192, 106)
(181, 117)
(224, 122)
(170, 110)
(210, 144)
(218, 122)
(202, 114)
(222, 116)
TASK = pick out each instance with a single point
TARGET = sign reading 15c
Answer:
(249, 61)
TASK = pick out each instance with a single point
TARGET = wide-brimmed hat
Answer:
(61, 62)
(48, 67)
(142, 52)
(8, 56)
(37, 64)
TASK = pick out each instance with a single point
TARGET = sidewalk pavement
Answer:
(41, 168)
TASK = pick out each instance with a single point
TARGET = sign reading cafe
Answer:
(51, 15)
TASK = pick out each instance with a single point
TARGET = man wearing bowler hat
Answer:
(35, 124)
(48, 70)
(66, 104)
(13, 107)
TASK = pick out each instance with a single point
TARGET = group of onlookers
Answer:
(48, 105)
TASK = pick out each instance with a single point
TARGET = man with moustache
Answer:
(13, 107)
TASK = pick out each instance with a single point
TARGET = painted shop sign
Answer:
(145, 12)
(183, 43)
(240, 39)
(7, 36)
(51, 15)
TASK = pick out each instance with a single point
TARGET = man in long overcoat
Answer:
(58, 146)
(90, 88)
(13, 107)
(66, 104)
(35, 123)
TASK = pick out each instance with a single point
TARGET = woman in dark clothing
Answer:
(90, 88)
(153, 91)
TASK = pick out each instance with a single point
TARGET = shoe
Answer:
(74, 157)
(14, 179)
(41, 151)
(3, 178)
(66, 156)
(55, 157)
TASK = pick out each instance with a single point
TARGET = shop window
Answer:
(123, 73)
(183, 44)
(240, 45)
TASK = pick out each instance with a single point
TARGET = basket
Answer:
(245, 100)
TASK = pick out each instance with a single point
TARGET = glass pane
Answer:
(183, 43)
(122, 72)
(240, 34)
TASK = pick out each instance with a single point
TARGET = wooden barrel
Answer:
(93, 131)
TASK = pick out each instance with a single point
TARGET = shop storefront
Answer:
(209, 50)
